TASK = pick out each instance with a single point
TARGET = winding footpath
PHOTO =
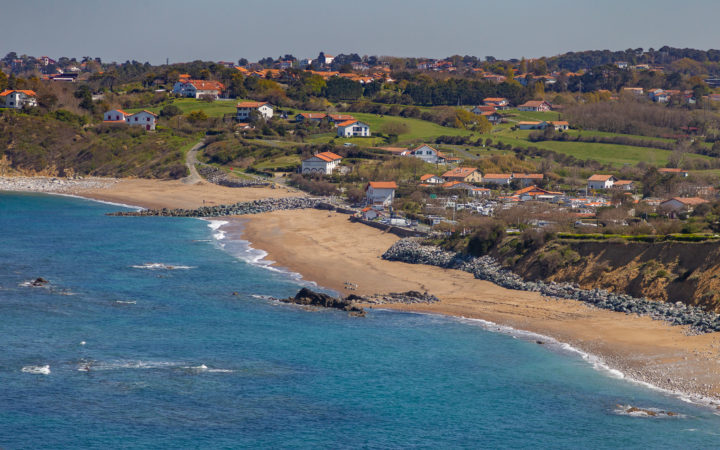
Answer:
(191, 161)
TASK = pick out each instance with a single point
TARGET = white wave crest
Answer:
(162, 266)
(38, 370)
(204, 368)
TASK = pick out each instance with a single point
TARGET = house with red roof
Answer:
(535, 105)
(428, 154)
(353, 128)
(244, 109)
(321, 163)
(527, 179)
(497, 178)
(339, 118)
(380, 192)
(536, 193)
(463, 174)
(310, 117)
(144, 118)
(598, 181)
(429, 179)
(198, 88)
(673, 171)
(18, 99)
(497, 102)
(676, 205)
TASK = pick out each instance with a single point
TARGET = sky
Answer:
(215, 30)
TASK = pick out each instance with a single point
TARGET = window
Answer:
(136, 119)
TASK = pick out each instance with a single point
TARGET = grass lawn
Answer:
(529, 116)
(218, 108)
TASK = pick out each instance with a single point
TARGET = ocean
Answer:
(161, 333)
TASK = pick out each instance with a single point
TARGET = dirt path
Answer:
(191, 161)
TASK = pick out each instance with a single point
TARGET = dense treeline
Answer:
(574, 61)
(629, 117)
(429, 92)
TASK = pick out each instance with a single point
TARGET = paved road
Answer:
(191, 161)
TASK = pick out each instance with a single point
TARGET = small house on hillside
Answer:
(18, 99)
(528, 179)
(310, 117)
(428, 154)
(532, 125)
(677, 205)
(353, 128)
(624, 185)
(380, 192)
(145, 119)
(478, 110)
(560, 125)
(536, 193)
(339, 118)
(430, 179)
(497, 178)
(535, 105)
(497, 102)
(673, 171)
(321, 163)
(198, 89)
(463, 174)
(601, 181)
(244, 109)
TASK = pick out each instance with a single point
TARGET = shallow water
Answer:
(146, 346)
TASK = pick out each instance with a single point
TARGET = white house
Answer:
(497, 102)
(380, 192)
(145, 119)
(497, 178)
(353, 128)
(115, 115)
(624, 185)
(198, 88)
(310, 117)
(245, 108)
(560, 125)
(535, 105)
(429, 178)
(18, 99)
(324, 163)
(601, 181)
(428, 154)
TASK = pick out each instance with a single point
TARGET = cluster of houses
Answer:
(186, 87)
(18, 99)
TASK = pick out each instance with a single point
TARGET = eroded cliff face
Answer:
(673, 272)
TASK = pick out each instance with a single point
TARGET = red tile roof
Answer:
(382, 185)
(347, 123)
(10, 91)
(497, 175)
(328, 156)
(600, 177)
(459, 172)
(690, 201)
(203, 85)
(251, 104)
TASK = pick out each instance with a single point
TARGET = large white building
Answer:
(353, 128)
(322, 163)
(144, 119)
(380, 192)
(18, 99)
(428, 154)
(198, 88)
(245, 108)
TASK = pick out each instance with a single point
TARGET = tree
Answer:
(197, 116)
(3, 81)
(237, 86)
(343, 89)
(170, 111)
(85, 95)
(242, 62)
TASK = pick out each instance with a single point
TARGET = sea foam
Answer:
(38, 370)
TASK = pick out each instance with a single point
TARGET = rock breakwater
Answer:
(408, 297)
(486, 268)
(238, 209)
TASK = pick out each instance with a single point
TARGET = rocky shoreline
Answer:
(238, 209)
(486, 268)
(53, 184)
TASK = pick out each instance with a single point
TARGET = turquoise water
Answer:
(177, 361)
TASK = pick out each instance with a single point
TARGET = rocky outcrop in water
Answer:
(486, 268)
(253, 207)
(307, 297)
(219, 177)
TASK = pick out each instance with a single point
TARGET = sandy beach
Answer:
(327, 248)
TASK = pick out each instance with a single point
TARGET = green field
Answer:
(218, 108)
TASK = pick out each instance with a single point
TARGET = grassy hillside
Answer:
(48, 145)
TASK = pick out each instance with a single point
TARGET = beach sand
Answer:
(327, 248)
(175, 194)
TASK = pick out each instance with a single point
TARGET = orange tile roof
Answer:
(497, 175)
(427, 176)
(600, 177)
(328, 156)
(495, 99)
(459, 172)
(382, 185)
(341, 117)
(529, 122)
(203, 85)
(347, 123)
(533, 103)
(623, 182)
(313, 115)
(450, 184)
(671, 170)
(691, 201)
(528, 176)
(560, 122)
(251, 104)
(25, 91)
